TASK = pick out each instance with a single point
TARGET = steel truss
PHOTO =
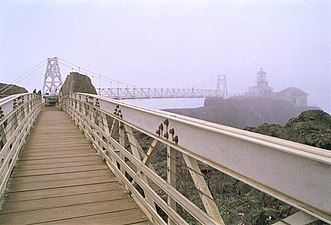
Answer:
(147, 93)
(52, 80)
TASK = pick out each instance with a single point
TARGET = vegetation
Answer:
(312, 127)
(11, 89)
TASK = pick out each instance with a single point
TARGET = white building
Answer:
(294, 95)
(262, 88)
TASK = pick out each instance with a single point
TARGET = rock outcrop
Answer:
(76, 82)
(312, 127)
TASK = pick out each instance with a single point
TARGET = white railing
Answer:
(296, 174)
(147, 93)
(17, 115)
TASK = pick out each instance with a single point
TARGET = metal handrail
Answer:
(17, 115)
(294, 173)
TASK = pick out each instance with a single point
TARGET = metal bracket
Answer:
(165, 132)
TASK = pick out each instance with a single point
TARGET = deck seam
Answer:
(45, 174)
(60, 162)
(58, 158)
(57, 207)
(15, 179)
(60, 187)
(119, 188)
(18, 169)
(77, 217)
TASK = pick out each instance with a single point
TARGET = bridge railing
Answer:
(129, 137)
(147, 93)
(17, 115)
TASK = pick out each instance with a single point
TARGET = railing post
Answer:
(171, 177)
(122, 143)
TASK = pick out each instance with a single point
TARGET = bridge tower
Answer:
(52, 81)
(222, 85)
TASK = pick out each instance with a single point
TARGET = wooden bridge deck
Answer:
(60, 179)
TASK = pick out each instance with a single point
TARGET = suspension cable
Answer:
(97, 74)
(20, 78)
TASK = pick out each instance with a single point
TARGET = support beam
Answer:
(151, 152)
(200, 183)
(299, 218)
(137, 152)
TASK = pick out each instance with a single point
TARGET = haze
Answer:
(173, 43)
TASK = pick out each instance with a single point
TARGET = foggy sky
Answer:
(174, 43)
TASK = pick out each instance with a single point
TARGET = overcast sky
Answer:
(174, 43)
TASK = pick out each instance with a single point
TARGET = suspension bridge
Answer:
(92, 160)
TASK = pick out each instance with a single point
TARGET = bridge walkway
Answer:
(59, 179)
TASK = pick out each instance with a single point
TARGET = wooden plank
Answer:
(63, 136)
(57, 170)
(55, 147)
(67, 212)
(48, 150)
(64, 191)
(58, 165)
(130, 216)
(64, 139)
(48, 203)
(71, 159)
(59, 183)
(60, 178)
(59, 156)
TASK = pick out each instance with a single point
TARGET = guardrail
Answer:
(296, 174)
(147, 93)
(17, 115)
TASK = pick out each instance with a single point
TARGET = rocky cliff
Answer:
(14, 89)
(242, 112)
(76, 82)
